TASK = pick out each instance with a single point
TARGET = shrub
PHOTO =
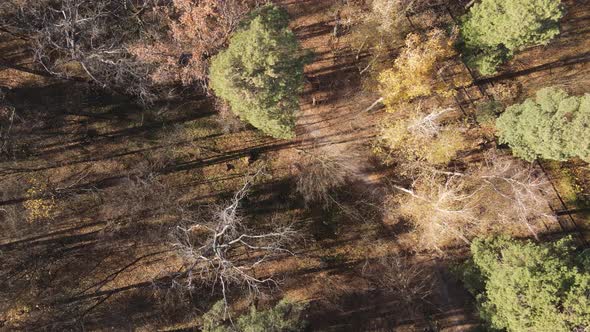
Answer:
(552, 126)
(494, 29)
(487, 112)
(40, 203)
(414, 72)
(213, 319)
(409, 283)
(524, 286)
(261, 72)
(284, 317)
(505, 92)
(324, 171)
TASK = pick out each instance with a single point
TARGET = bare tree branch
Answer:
(213, 243)
(502, 194)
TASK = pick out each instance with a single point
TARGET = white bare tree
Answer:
(428, 124)
(220, 248)
(502, 194)
(440, 207)
(519, 191)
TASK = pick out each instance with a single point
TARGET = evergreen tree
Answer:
(261, 72)
(524, 286)
(494, 29)
(552, 126)
(284, 317)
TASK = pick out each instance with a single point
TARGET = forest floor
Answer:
(335, 116)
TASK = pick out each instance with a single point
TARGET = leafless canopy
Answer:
(325, 169)
(67, 36)
(410, 281)
(502, 194)
(220, 249)
(428, 124)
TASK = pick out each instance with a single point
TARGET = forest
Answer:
(295, 165)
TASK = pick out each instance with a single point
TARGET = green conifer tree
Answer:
(261, 72)
(552, 126)
(494, 29)
(524, 286)
(284, 317)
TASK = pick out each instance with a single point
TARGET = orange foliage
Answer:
(196, 29)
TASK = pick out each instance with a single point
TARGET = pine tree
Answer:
(552, 126)
(284, 317)
(524, 286)
(494, 29)
(261, 72)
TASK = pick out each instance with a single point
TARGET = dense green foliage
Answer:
(552, 126)
(524, 286)
(284, 317)
(494, 29)
(261, 72)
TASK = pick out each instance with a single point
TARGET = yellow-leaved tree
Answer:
(425, 136)
(414, 72)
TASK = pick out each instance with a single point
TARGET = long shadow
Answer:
(383, 310)
(227, 157)
(313, 30)
(46, 235)
(582, 58)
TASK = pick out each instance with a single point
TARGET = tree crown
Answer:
(261, 72)
(284, 317)
(553, 125)
(524, 286)
(494, 29)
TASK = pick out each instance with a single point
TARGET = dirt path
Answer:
(333, 115)
(333, 104)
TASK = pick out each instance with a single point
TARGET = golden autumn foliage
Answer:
(37, 206)
(414, 72)
(422, 136)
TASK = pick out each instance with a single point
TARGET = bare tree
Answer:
(501, 194)
(428, 124)
(441, 209)
(195, 30)
(69, 36)
(324, 170)
(411, 282)
(220, 249)
(136, 47)
(518, 190)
